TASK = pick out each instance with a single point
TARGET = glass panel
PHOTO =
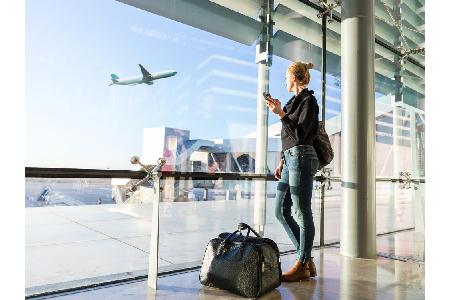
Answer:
(110, 240)
(414, 104)
(401, 23)
(212, 207)
(332, 218)
(48, 192)
(209, 208)
(399, 117)
(207, 107)
(396, 207)
(91, 125)
(78, 232)
(333, 96)
(397, 22)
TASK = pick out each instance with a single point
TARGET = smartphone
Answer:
(267, 95)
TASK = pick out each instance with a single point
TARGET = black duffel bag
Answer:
(248, 266)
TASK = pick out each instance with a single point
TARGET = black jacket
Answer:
(301, 123)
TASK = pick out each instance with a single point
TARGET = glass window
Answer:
(107, 81)
(77, 119)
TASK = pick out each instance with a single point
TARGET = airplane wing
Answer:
(145, 73)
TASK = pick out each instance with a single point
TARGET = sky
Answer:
(75, 119)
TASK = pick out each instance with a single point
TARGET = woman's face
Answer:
(290, 80)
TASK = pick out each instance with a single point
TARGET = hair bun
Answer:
(309, 65)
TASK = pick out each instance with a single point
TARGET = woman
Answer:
(297, 167)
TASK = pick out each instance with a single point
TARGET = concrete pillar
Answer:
(358, 230)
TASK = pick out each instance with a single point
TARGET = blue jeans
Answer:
(294, 190)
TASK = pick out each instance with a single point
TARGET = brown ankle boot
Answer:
(312, 268)
(296, 273)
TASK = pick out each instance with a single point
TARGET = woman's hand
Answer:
(278, 170)
(274, 105)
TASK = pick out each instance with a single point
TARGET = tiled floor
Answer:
(338, 278)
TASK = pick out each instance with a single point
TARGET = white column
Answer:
(358, 230)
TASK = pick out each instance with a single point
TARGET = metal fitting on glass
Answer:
(152, 174)
(324, 178)
(405, 53)
(328, 9)
(405, 180)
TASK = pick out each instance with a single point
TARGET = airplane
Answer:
(146, 77)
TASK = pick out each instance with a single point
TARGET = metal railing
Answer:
(154, 174)
(36, 172)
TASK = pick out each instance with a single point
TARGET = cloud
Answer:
(42, 58)
(185, 40)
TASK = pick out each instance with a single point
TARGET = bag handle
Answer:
(229, 236)
(248, 232)
(241, 227)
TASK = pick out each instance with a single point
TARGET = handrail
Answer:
(100, 173)
(378, 179)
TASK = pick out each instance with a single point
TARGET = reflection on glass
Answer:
(111, 240)
(208, 107)
(77, 232)
(332, 219)
(399, 121)
(396, 209)
(401, 23)
(333, 106)
(352, 276)
(40, 192)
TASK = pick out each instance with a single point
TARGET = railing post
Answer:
(151, 185)
(324, 81)
(155, 194)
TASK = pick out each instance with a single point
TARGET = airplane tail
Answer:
(114, 77)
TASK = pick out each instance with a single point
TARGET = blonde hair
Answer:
(301, 71)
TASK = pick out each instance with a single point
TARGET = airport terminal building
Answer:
(163, 162)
